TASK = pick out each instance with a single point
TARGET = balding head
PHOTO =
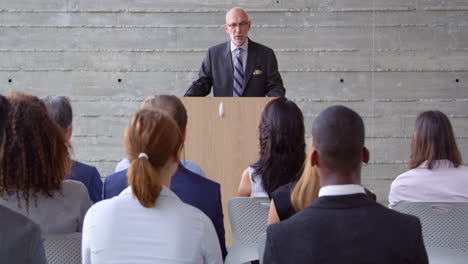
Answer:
(338, 137)
(236, 12)
(237, 25)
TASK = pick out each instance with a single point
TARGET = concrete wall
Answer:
(387, 59)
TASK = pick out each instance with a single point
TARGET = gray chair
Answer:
(248, 218)
(444, 227)
(261, 242)
(63, 248)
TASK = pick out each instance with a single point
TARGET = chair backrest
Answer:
(261, 242)
(248, 217)
(444, 224)
(63, 248)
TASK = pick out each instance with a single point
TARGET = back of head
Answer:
(338, 137)
(60, 110)
(433, 140)
(154, 133)
(36, 158)
(4, 112)
(282, 144)
(171, 104)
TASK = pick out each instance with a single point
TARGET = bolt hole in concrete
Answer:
(341, 80)
(119, 80)
(457, 80)
(9, 80)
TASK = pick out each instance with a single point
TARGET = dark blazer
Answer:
(90, 177)
(20, 239)
(282, 199)
(346, 229)
(191, 188)
(261, 73)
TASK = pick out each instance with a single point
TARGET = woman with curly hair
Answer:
(35, 161)
(282, 150)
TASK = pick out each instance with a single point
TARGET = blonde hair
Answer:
(155, 133)
(306, 189)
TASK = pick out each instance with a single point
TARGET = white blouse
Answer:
(121, 230)
(442, 183)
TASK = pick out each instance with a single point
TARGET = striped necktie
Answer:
(238, 74)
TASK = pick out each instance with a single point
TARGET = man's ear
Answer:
(226, 28)
(365, 155)
(314, 158)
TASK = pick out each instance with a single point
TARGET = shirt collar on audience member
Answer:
(345, 189)
(245, 46)
(438, 164)
(165, 192)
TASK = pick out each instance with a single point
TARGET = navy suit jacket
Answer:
(90, 177)
(346, 229)
(191, 188)
(262, 77)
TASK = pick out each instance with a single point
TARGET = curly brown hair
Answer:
(36, 153)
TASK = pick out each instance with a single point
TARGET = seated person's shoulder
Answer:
(76, 188)
(115, 176)
(195, 178)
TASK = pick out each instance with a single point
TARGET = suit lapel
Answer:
(229, 67)
(251, 54)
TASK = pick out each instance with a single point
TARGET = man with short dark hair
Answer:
(190, 187)
(20, 238)
(60, 110)
(343, 225)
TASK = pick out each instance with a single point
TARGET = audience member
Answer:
(147, 222)
(435, 174)
(282, 150)
(176, 110)
(20, 240)
(293, 197)
(191, 188)
(60, 110)
(34, 163)
(343, 225)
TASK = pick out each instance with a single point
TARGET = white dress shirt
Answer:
(442, 183)
(245, 49)
(121, 230)
(344, 189)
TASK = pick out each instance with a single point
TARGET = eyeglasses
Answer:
(241, 24)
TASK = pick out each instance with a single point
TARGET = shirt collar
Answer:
(244, 46)
(345, 189)
(165, 192)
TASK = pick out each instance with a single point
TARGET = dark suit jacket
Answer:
(90, 177)
(20, 239)
(346, 229)
(217, 70)
(191, 188)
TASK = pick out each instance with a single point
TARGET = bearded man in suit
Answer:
(239, 67)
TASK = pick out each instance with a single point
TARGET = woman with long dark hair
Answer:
(282, 150)
(435, 171)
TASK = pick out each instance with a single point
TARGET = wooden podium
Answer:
(223, 145)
